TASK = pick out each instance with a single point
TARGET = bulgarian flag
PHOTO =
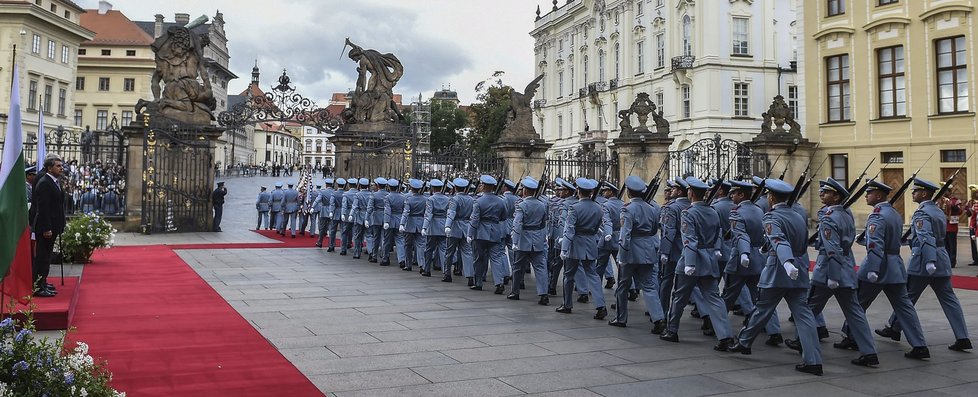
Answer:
(15, 235)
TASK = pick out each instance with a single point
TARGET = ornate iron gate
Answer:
(458, 160)
(595, 165)
(177, 176)
(709, 158)
(389, 154)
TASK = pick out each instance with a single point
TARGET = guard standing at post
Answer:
(263, 204)
(217, 199)
(375, 219)
(278, 204)
(111, 201)
(930, 264)
(459, 251)
(393, 240)
(529, 236)
(486, 233)
(412, 218)
(586, 223)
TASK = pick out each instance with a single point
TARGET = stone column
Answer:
(134, 178)
(646, 152)
(796, 154)
(523, 157)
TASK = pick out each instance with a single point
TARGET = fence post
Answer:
(645, 151)
(521, 158)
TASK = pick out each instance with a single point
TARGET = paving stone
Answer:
(367, 380)
(568, 379)
(680, 367)
(518, 366)
(894, 382)
(520, 338)
(586, 345)
(376, 349)
(496, 353)
(813, 388)
(370, 363)
(474, 388)
(690, 386)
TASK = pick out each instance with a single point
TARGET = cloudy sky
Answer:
(439, 42)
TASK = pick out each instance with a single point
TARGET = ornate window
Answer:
(640, 56)
(837, 87)
(660, 50)
(952, 75)
(892, 84)
(617, 61)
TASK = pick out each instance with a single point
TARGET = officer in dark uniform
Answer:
(217, 198)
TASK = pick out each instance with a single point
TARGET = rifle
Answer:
(656, 181)
(852, 187)
(602, 182)
(941, 192)
(800, 191)
(906, 184)
(499, 184)
(760, 188)
(621, 191)
(716, 185)
(542, 186)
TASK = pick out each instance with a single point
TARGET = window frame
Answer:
(685, 93)
(80, 83)
(793, 100)
(881, 3)
(78, 117)
(62, 101)
(844, 84)
(65, 54)
(660, 50)
(741, 99)
(32, 95)
(101, 119)
(844, 168)
(954, 68)
(36, 44)
(104, 87)
(129, 84)
(640, 56)
(840, 7)
(893, 76)
(52, 49)
(745, 43)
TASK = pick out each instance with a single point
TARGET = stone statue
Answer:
(661, 124)
(642, 107)
(519, 120)
(625, 123)
(373, 99)
(777, 115)
(180, 69)
(88, 139)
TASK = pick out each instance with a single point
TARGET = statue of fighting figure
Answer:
(377, 74)
(186, 93)
(519, 120)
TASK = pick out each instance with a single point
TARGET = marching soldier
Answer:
(486, 233)
(637, 256)
(509, 187)
(412, 219)
(607, 249)
(263, 204)
(393, 240)
(554, 264)
(291, 197)
(278, 204)
(349, 196)
(762, 199)
(459, 251)
(882, 271)
(671, 247)
(111, 201)
(835, 272)
(580, 281)
(336, 214)
(322, 201)
(433, 228)
(930, 264)
(529, 238)
(785, 276)
(310, 217)
(585, 224)
(699, 266)
(375, 219)
(358, 215)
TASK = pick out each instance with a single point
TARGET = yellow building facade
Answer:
(894, 81)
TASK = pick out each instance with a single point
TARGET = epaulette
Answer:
(876, 210)
(828, 212)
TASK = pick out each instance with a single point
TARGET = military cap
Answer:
(586, 184)
(279, 184)
(392, 182)
(328, 181)
(559, 183)
(340, 181)
(670, 183)
(736, 185)
(220, 183)
(436, 183)
(635, 183)
(263, 187)
(876, 185)
(830, 184)
(460, 182)
(696, 183)
(510, 184)
(569, 185)
(757, 180)
(415, 184)
(31, 170)
(291, 184)
(530, 183)
(778, 186)
(681, 183)
(487, 180)
(609, 186)
(924, 184)
(380, 181)
(363, 182)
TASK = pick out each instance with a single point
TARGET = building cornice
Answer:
(836, 29)
(958, 6)
(29, 10)
(887, 20)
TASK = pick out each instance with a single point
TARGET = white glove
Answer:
(366, 223)
(663, 259)
(424, 232)
(791, 270)
(607, 238)
(448, 231)
(514, 247)
(718, 253)
(401, 228)
(560, 240)
(744, 260)
(563, 255)
(833, 284)
(349, 218)
(387, 226)
(872, 276)
(330, 214)
(931, 267)
(689, 270)
(469, 239)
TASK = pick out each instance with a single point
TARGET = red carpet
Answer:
(54, 313)
(165, 332)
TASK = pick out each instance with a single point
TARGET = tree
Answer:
(489, 114)
(446, 120)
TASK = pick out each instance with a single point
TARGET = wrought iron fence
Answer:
(177, 180)
(710, 157)
(458, 161)
(598, 165)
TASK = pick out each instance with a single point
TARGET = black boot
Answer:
(961, 345)
(601, 314)
(814, 369)
(544, 300)
(888, 332)
(774, 340)
(724, 345)
(867, 360)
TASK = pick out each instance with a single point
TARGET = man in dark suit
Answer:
(47, 221)
(217, 197)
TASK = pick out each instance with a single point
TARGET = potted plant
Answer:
(83, 235)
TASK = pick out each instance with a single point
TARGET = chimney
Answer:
(104, 7)
(181, 18)
(158, 26)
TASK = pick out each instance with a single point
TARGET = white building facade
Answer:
(317, 150)
(711, 66)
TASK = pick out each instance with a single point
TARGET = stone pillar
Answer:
(134, 178)
(796, 154)
(646, 152)
(522, 157)
(343, 165)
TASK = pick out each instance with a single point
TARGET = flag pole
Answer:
(3, 289)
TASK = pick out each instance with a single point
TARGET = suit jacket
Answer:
(637, 239)
(785, 229)
(530, 225)
(700, 232)
(836, 234)
(459, 211)
(928, 231)
(47, 211)
(393, 209)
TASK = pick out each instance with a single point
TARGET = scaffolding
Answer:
(421, 123)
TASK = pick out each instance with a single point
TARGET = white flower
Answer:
(83, 393)
(77, 235)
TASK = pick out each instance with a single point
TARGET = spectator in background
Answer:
(953, 208)
(217, 197)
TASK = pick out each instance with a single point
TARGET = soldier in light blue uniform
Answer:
(882, 270)
(581, 284)
(586, 224)
(555, 265)
(699, 266)
(607, 249)
(762, 199)
(310, 217)
(412, 219)
(358, 213)
(638, 256)
(375, 219)
(671, 245)
(334, 209)
(263, 204)
(322, 201)
(110, 201)
(930, 264)
(89, 201)
(835, 272)
(393, 209)
(785, 276)
(278, 204)
(459, 251)
(509, 187)
(529, 238)
(433, 228)
(349, 197)
(290, 209)
(486, 234)
(743, 269)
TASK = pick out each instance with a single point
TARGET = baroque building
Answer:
(892, 81)
(711, 67)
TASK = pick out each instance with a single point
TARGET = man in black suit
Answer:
(217, 197)
(47, 217)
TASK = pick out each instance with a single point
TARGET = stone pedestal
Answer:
(523, 157)
(643, 154)
(796, 156)
(354, 157)
(134, 178)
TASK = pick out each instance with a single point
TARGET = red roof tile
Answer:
(113, 28)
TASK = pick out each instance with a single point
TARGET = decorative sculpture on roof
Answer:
(777, 115)
(186, 94)
(373, 99)
(519, 120)
(642, 107)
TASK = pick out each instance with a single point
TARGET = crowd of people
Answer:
(727, 246)
(94, 186)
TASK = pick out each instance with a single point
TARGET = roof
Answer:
(113, 28)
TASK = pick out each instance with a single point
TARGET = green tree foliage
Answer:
(489, 114)
(446, 120)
